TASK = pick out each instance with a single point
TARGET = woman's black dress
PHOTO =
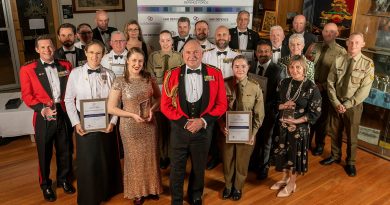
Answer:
(294, 155)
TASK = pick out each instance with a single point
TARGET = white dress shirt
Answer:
(180, 44)
(79, 44)
(116, 65)
(223, 62)
(71, 57)
(208, 45)
(82, 85)
(54, 81)
(242, 39)
(265, 66)
(193, 85)
(276, 55)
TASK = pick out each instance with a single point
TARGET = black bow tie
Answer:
(243, 33)
(103, 32)
(182, 39)
(53, 65)
(71, 52)
(275, 50)
(221, 52)
(203, 46)
(93, 71)
(118, 56)
(197, 71)
(82, 47)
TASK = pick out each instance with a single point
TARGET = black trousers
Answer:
(58, 133)
(184, 144)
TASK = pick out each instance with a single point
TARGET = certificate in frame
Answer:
(93, 114)
(239, 125)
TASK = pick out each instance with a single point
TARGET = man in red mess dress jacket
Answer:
(43, 83)
(193, 98)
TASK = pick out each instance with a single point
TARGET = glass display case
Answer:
(372, 18)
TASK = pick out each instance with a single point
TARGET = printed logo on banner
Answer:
(195, 18)
(150, 18)
(173, 33)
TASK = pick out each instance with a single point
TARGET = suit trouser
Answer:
(57, 132)
(235, 164)
(319, 128)
(184, 144)
(349, 121)
(164, 129)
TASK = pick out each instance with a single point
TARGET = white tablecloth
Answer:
(15, 122)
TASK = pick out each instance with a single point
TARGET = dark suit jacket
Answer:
(97, 36)
(176, 42)
(253, 39)
(80, 56)
(309, 39)
(274, 74)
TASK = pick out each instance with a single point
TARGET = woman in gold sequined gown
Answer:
(138, 129)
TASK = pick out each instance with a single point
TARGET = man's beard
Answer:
(201, 36)
(263, 59)
(222, 44)
(68, 44)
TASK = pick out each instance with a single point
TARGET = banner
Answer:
(154, 18)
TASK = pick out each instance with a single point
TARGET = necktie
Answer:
(104, 32)
(203, 46)
(318, 66)
(93, 71)
(347, 77)
(221, 52)
(69, 52)
(275, 50)
(243, 33)
(261, 70)
(49, 65)
(166, 61)
(190, 71)
(118, 56)
(182, 39)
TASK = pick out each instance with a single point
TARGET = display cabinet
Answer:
(372, 18)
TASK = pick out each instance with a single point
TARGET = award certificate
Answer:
(118, 69)
(93, 114)
(239, 125)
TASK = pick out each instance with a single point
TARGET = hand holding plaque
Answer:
(144, 109)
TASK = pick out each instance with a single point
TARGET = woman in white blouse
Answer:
(98, 165)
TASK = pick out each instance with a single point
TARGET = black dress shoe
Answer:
(262, 173)
(350, 169)
(329, 161)
(212, 163)
(49, 195)
(227, 193)
(68, 187)
(164, 163)
(236, 195)
(318, 151)
(196, 202)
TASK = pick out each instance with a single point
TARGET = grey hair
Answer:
(298, 37)
(118, 32)
(276, 27)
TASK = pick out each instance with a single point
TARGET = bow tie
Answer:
(221, 52)
(104, 32)
(203, 46)
(182, 39)
(275, 50)
(243, 33)
(190, 71)
(93, 71)
(118, 56)
(71, 52)
(53, 65)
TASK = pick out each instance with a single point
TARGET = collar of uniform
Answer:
(357, 57)
(200, 68)
(45, 62)
(165, 53)
(265, 65)
(242, 82)
(331, 45)
(227, 49)
(86, 67)
(72, 49)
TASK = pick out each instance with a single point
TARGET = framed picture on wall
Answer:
(88, 6)
(269, 20)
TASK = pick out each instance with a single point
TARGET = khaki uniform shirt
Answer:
(359, 84)
(156, 63)
(334, 50)
(251, 99)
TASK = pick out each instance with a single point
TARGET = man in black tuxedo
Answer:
(265, 67)
(66, 35)
(299, 26)
(242, 37)
(102, 32)
(278, 49)
(183, 28)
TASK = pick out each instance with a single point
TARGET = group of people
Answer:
(312, 89)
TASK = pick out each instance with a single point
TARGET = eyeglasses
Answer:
(119, 41)
(86, 33)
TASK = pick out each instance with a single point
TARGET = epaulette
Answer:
(29, 62)
(211, 66)
(236, 50)
(209, 49)
(253, 80)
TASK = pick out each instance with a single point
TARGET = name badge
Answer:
(63, 73)
(209, 78)
(227, 60)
